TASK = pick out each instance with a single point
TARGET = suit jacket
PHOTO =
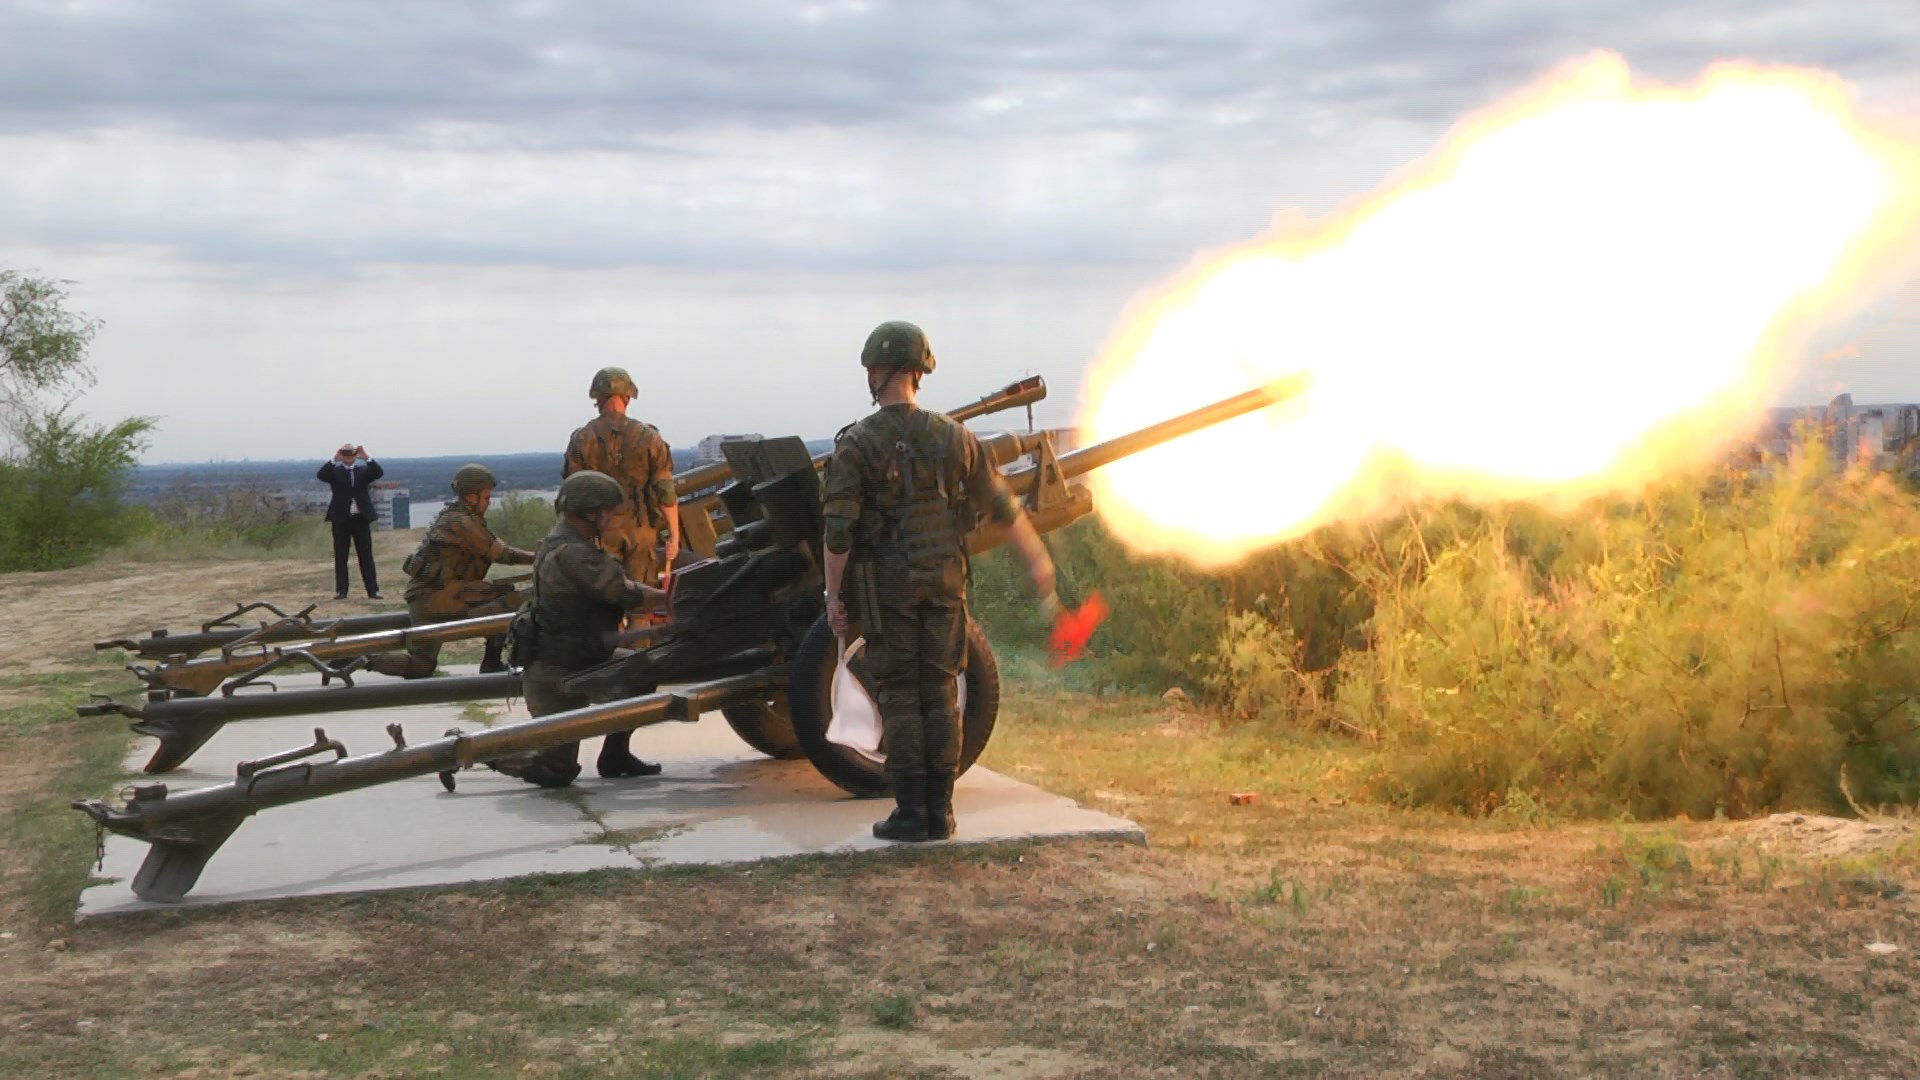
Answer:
(350, 489)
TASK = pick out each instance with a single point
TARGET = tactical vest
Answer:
(436, 562)
(568, 630)
(913, 532)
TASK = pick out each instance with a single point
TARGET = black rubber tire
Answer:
(810, 691)
(767, 726)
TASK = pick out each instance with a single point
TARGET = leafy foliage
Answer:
(60, 490)
(521, 519)
(190, 521)
(1727, 644)
(42, 344)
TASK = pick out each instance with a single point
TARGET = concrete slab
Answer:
(717, 802)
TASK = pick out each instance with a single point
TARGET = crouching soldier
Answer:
(581, 595)
(447, 575)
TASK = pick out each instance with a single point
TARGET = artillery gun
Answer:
(225, 631)
(181, 709)
(746, 635)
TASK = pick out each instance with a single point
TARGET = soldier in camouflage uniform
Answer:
(903, 489)
(447, 575)
(580, 596)
(637, 457)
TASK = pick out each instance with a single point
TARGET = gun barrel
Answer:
(1085, 460)
(1012, 396)
(161, 644)
(186, 828)
(204, 675)
(184, 724)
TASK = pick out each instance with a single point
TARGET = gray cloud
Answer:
(579, 71)
(477, 193)
(300, 139)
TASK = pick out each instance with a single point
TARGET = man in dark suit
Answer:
(351, 474)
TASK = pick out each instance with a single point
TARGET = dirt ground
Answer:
(1292, 935)
(50, 620)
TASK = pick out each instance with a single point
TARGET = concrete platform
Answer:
(717, 802)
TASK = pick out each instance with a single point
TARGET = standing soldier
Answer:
(904, 487)
(638, 459)
(580, 596)
(447, 575)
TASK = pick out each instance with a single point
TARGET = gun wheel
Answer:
(860, 772)
(767, 726)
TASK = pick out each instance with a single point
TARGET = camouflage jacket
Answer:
(580, 596)
(904, 487)
(458, 547)
(632, 453)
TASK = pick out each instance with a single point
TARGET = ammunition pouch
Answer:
(576, 644)
(860, 589)
(424, 563)
(522, 638)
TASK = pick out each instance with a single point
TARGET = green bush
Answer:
(1722, 649)
(193, 522)
(1721, 645)
(1163, 623)
(521, 519)
(60, 490)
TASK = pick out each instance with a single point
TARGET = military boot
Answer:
(397, 664)
(939, 806)
(616, 761)
(490, 660)
(549, 768)
(908, 821)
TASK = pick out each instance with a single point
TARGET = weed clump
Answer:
(1722, 645)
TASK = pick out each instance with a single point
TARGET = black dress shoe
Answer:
(375, 596)
(339, 596)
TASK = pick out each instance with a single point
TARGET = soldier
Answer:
(904, 487)
(447, 575)
(637, 458)
(580, 595)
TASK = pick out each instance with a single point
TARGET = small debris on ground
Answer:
(1881, 948)
(1244, 798)
(1821, 836)
(1176, 697)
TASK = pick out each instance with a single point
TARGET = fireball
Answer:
(1583, 287)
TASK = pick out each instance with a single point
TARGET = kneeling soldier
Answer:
(580, 597)
(447, 575)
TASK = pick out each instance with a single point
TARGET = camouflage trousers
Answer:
(913, 657)
(460, 600)
(544, 686)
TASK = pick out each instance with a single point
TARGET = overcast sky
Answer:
(422, 226)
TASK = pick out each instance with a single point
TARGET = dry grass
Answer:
(1300, 934)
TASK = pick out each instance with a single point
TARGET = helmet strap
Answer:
(879, 390)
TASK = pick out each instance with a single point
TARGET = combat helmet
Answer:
(612, 382)
(473, 479)
(898, 345)
(587, 491)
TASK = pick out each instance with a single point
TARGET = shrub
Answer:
(521, 519)
(1723, 644)
(190, 521)
(1711, 648)
(60, 490)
